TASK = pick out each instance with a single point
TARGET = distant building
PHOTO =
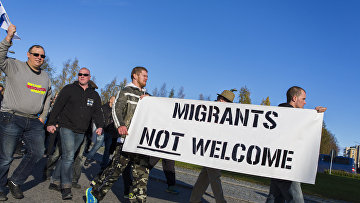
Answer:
(353, 152)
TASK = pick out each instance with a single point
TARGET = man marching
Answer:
(23, 112)
(75, 107)
(123, 111)
(285, 190)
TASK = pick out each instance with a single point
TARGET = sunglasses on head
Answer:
(83, 74)
(36, 55)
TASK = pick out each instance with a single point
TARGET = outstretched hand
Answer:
(320, 109)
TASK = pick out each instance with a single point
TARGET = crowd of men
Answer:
(25, 116)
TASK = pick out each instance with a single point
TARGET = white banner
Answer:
(268, 141)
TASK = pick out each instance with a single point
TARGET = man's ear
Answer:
(294, 98)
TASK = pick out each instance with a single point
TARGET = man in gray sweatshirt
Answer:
(22, 114)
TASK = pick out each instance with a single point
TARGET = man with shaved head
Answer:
(76, 106)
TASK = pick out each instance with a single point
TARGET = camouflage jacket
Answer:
(125, 104)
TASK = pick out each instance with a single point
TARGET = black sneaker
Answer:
(55, 187)
(3, 196)
(75, 185)
(66, 194)
(15, 190)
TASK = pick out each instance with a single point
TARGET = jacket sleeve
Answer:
(118, 109)
(98, 115)
(58, 106)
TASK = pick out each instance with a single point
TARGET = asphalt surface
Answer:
(36, 189)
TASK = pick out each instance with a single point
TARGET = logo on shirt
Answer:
(36, 88)
(90, 102)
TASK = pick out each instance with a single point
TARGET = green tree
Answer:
(328, 141)
(172, 93)
(244, 96)
(265, 102)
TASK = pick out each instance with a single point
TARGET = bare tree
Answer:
(201, 97)
(48, 67)
(68, 74)
(180, 93)
(162, 92)
(155, 92)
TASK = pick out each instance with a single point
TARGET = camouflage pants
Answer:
(140, 171)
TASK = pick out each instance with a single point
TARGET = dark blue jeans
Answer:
(70, 142)
(31, 131)
(108, 141)
(96, 147)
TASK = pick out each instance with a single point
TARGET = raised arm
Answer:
(6, 64)
(10, 33)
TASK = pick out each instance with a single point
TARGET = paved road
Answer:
(36, 190)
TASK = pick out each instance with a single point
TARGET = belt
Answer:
(23, 114)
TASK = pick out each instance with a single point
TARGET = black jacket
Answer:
(285, 105)
(75, 108)
(109, 126)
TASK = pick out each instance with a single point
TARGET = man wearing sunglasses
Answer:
(23, 112)
(75, 107)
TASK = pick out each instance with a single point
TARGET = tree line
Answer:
(71, 67)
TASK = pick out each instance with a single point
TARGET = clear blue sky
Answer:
(207, 46)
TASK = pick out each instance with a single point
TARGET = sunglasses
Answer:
(83, 74)
(36, 55)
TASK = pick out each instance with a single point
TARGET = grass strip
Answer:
(326, 186)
